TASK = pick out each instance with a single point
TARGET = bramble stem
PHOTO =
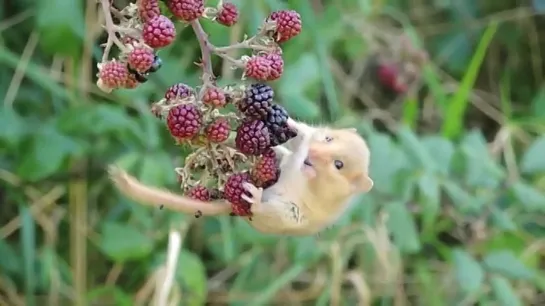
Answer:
(208, 77)
(110, 28)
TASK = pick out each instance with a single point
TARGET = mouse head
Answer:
(340, 157)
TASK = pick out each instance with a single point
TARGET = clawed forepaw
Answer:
(255, 193)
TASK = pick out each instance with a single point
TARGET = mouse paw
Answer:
(255, 192)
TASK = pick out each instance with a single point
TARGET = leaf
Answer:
(61, 26)
(124, 242)
(532, 161)
(461, 199)
(480, 169)
(157, 169)
(28, 246)
(430, 198)
(401, 224)
(13, 126)
(414, 148)
(11, 261)
(113, 294)
(192, 276)
(299, 106)
(507, 264)
(387, 161)
(502, 219)
(457, 105)
(441, 151)
(504, 292)
(532, 199)
(48, 150)
(469, 273)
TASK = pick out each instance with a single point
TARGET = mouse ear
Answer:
(364, 183)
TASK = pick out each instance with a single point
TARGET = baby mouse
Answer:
(323, 170)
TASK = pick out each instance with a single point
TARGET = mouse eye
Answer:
(339, 164)
(328, 139)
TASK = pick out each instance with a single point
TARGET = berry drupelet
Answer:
(218, 131)
(186, 10)
(227, 14)
(252, 137)
(288, 25)
(179, 91)
(232, 191)
(199, 192)
(184, 121)
(159, 32)
(257, 101)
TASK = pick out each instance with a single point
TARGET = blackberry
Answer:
(282, 135)
(253, 137)
(265, 171)
(276, 119)
(257, 101)
(233, 190)
(199, 192)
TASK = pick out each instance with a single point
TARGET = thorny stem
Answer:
(109, 25)
(208, 77)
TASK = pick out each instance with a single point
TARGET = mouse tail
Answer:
(148, 195)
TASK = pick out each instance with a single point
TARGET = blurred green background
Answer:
(458, 161)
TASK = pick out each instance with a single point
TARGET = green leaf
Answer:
(47, 152)
(532, 161)
(469, 273)
(529, 197)
(157, 169)
(502, 219)
(410, 142)
(113, 294)
(61, 26)
(480, 169)
(457, 105)
(430, 199)
(192, 276)
(28, 245)
(507, 264)
(124, 242)
(11, 261)
(504, 292)
(441, 151)
(462, 200)
(13, 126)
(299, 106)
(401, 224)
(387, 161)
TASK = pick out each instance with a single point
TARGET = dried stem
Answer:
(208, 77)
(110, 29)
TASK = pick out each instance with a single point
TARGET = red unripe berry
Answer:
(288, 24)
(178, 91)
(186, 10)
(131, 82)
(214, 97)
(148, 9)
(141, 59)
(276, 66)
(113, 74)
(159, 32)
(265, 171)
(227, 14)
(388, 76)
(199, 192)
(232, 191)
(184, 121)
(218, 131)
(258, 67)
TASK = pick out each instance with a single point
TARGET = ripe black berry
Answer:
(257, 100)
(253, 137)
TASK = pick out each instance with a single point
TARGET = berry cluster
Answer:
(231, 129)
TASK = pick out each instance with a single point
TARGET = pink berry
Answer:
(228, 14)
(141, 59)
(113, 74)
(159, 32)
(258, 67)
(288, 24)
(186, 10)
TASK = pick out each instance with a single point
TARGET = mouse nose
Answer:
(317, 154)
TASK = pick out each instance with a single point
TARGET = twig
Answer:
(208, 77)
(110, 29)
(174, 246)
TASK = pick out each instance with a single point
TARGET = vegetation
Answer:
(457, 160)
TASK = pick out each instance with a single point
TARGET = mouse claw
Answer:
(255, 192)
(247, 198)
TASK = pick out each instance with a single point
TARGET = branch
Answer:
(208, 77)
(110, 28)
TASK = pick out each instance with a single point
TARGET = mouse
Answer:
(322, 169)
